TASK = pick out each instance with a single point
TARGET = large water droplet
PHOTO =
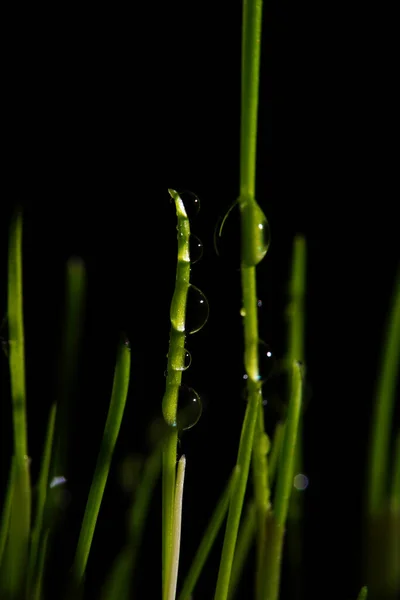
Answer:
(249, 246)
(189, 408)
(256, 234)
(191, 202)
(187, 361)
(243, 312)
(196, 310)
(195, 248)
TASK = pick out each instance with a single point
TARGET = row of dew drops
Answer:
(226, 236)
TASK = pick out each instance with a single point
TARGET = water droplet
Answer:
(266, 361)
(196, 310)
(187, 361)
(227, 237)
(195, 248)
(243, 312)
(189, 408)
(259, 303)
(300, 482)
(256, 234)
(191, 202)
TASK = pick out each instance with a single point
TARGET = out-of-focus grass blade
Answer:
(395, 491)
(245, 540)
(5, 514)
(284, 487)
(19, 526)
(69, 359)
(363, 593)
(382, 417)
(208, 538)
(113, 423)
(43, 483)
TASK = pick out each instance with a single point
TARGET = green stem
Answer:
(176, 540)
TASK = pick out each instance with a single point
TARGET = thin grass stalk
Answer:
(209, 537)
(111, 431)
(284, 487)
(251, 254)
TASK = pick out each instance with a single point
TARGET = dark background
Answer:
(105, 109)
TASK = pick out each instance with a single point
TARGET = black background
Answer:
(108, 107)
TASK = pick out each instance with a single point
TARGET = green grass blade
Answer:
(209, 538)
(19, 528)
(296, 328)
(245, 538)
(111, 430)
(176, 541)
(395, 491)
(363, 593)
(284, 487)
(36, 592)
(6, 513)
(69, 359)
(43, 483)
(383, 410)
(119, 580)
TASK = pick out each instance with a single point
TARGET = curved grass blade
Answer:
(111, 430)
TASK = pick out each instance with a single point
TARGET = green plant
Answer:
(24, 547)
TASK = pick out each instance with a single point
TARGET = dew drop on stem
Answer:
(191, 203)
(196, 310)
(195, 249)
(187, 361)
(189, 408)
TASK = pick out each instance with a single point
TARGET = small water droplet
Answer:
(195, 248)
(189, 408)
(196, 310)
(259, 303)
(300, 482)
(266, 361)
(243, 312)
(191, 202)
(58, 480)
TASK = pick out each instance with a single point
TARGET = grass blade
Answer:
(6, 513)
(33, 571)
(363, 593)
(19, 528)
(111, 430)
(176, 542)
(209, 538)
(383, 410)
(245, 538)
(283, 491)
